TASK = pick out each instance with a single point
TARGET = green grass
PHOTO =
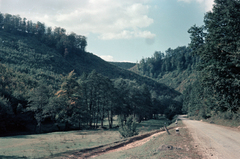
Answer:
(36, 146)
(221, 120)
(152, 124)
(155, 148)
(49, 144)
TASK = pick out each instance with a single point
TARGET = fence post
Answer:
(166, 130)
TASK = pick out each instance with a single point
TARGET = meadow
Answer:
(51, 144)
(164, 146)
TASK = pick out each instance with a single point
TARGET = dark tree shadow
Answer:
(10, 157)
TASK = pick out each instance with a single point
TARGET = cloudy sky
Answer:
(118, 30)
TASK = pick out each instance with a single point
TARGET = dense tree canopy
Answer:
(217, 44)
(174, 59)
(39, 88)
(56, 38)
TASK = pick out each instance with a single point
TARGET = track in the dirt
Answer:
(96, 151)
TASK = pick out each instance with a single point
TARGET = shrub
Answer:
(129, 128)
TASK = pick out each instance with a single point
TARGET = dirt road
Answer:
(214, 141)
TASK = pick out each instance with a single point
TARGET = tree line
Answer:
(56, 37)
(93, 98)
(81, 102)
(213, 54)
(217, 44)
(161, 63)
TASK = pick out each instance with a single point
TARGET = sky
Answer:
(118, 30)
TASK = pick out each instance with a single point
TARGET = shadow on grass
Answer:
(94, 131)
(20, 137)
(10, 157)
(153, 124)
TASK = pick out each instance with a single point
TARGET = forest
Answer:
(49, 80)
(55, 38)
(209, 65)
(161, 63)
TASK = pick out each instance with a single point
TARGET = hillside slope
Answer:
(179, 80)
(27, 54)
(176, 67)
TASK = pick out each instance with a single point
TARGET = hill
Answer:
(35, 76)
(29, 55)
(176, 68)
(208, 70)
(179, 80)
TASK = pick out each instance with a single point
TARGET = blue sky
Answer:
(118, 30)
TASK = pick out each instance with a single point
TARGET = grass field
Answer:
(163, 146)
(43, 145)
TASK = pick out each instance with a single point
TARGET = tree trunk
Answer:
(111, 118)
(102, 118)
(66, 125)
(40, 127)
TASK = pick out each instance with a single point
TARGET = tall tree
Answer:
(218, 49)
(1, 20)
(38, 102)
(69, 96)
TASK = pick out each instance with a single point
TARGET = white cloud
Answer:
(107, 57)
(207, 4)
(110, 19)
(126, 34)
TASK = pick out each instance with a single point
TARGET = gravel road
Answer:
(214, 141)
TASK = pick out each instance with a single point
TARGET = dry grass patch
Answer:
(162, 146)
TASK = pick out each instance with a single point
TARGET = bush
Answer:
(129, 128)
(228, 115)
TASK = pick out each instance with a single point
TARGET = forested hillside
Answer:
(207, 71)
(175, 67)
(48, 79)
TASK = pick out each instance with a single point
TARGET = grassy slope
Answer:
(178, 80)
(175, 79)
(40, 60)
